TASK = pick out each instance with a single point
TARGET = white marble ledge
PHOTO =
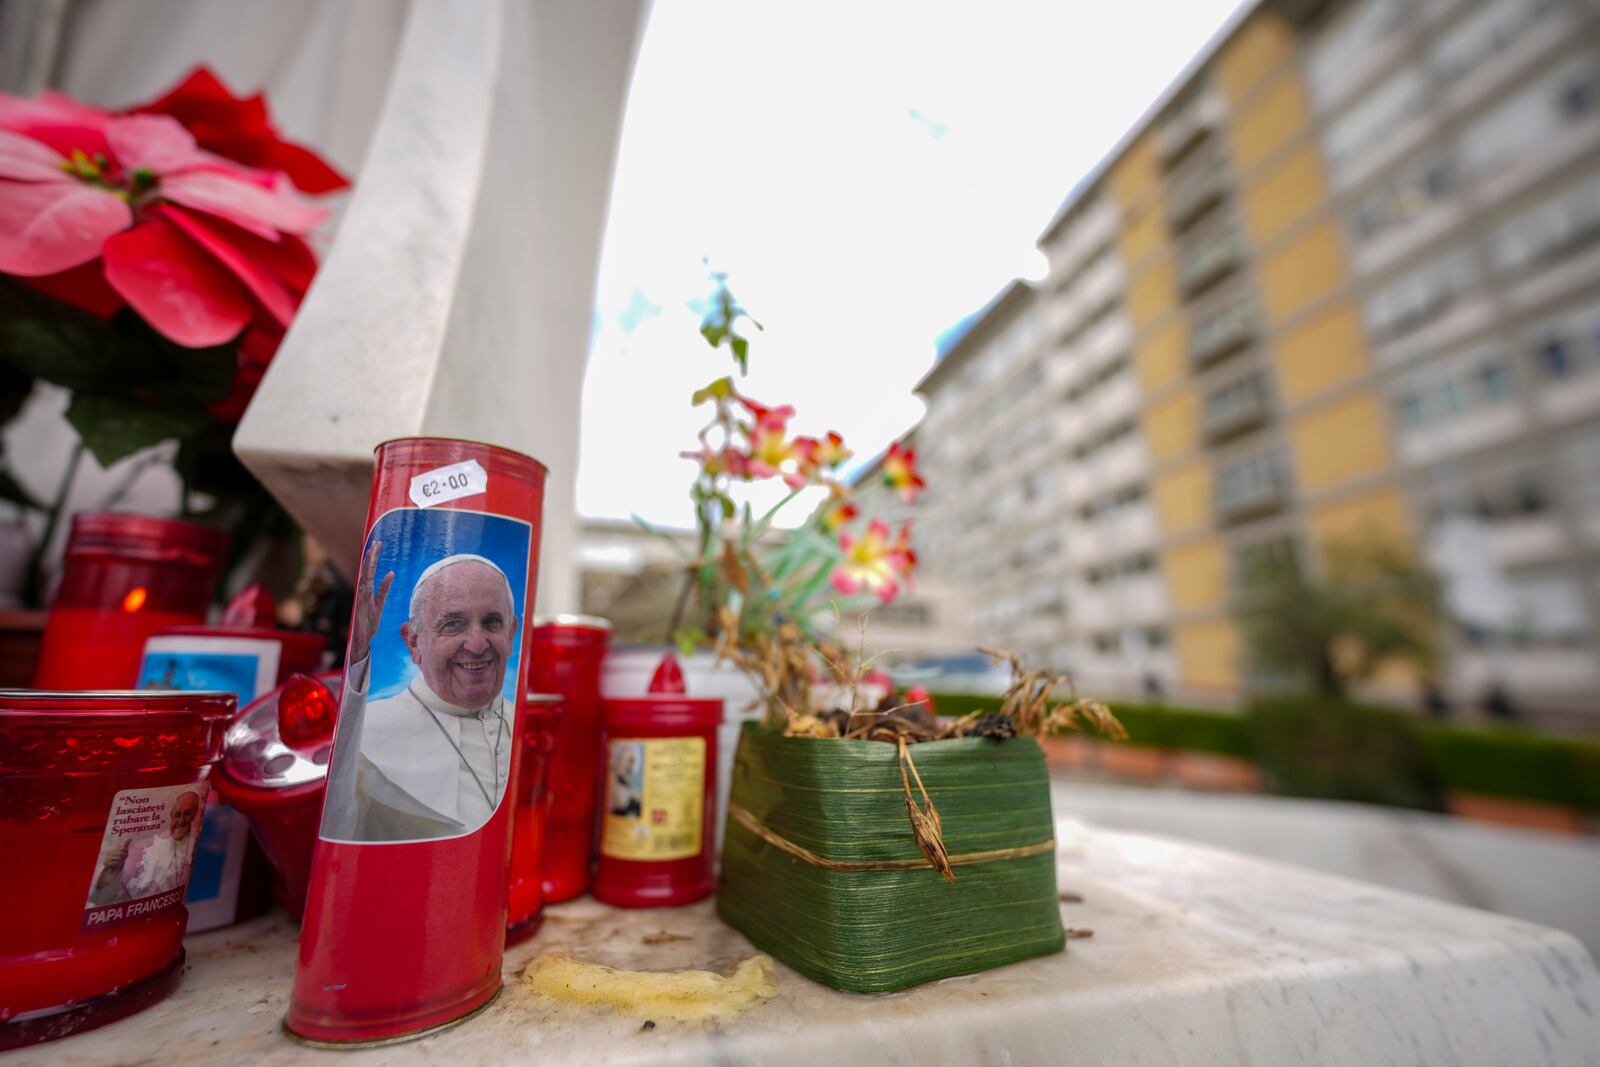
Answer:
(1199, 956)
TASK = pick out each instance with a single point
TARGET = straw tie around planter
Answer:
(749, 822)
(819, 869)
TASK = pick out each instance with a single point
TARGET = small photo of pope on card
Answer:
(423, 746)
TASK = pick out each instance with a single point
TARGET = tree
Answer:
(1370, 603)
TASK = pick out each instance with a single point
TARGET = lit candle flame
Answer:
(135, 599)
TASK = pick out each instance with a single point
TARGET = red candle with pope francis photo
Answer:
(405, 915)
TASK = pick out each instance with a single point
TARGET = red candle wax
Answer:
(124, 577)
(541, 717)
(100, 795)
(658, 801)
(566, 651)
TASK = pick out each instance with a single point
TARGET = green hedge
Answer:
(1310, 747)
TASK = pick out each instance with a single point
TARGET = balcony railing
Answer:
(1186, 127)
(1236, 407)
(1195, 193)
(1249, 487)
(1222, 331)
(1208, 259)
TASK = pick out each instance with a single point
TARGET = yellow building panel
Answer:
(1208, 654)
(1162, 357)
(1183, 497)
(1141, 235)
(1310, 266)
(1153, 294)
(1196, 575)
(1285, 194)
(1324, 352)
(1380, 514)
(1278, 115)
(1262, 43)
(1135, 173)
(1346, 440)
(1172, 427)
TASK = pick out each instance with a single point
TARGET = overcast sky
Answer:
(867, 173)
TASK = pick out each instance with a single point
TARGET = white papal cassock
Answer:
(414, 766)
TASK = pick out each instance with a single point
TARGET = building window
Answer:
(1336, 56)
(1484, 33)
(1250, 482)
(1395, 203)
(1374, 117)
(1417, 298)
(1452, 388)
(1569, 345)
(1532, 117)
(1549, 232)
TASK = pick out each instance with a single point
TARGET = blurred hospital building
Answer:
(1343, 278)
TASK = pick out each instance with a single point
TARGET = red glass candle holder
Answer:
(541, 718)
(658, 801)
(565, 655)
(97, 836)
(124, 577)
(405, 918)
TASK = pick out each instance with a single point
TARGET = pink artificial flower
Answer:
(900, 472)
(765, 417)
(837, 514)
(202, 248)
(826, 453)
(240, 128)
(871, 563)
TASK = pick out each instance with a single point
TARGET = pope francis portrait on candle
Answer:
(433, 759)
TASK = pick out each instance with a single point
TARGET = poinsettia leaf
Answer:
(70, 352)
(741, 353)
(113, 427)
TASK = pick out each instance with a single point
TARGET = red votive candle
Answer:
(658, 801)
(405, 918)
(124, 577)
(566, 651)
(541, 717)
(100, 802)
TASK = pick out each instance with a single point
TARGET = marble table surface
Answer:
(1198, 956)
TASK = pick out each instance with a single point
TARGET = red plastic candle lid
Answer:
(663, 710)
(558, 621)
(256, 755)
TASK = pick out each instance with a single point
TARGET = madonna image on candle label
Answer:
(426, 727)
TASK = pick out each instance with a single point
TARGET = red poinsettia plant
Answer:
(151, 259)
(745, 574)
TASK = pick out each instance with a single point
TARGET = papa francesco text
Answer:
(134, 908)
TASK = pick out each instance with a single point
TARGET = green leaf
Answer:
(74, 354)
(741, 353)
(713, 333)
(113, 427)
(720, 389)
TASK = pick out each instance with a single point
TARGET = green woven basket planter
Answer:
(876, 930)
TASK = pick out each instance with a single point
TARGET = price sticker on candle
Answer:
(443, 484)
